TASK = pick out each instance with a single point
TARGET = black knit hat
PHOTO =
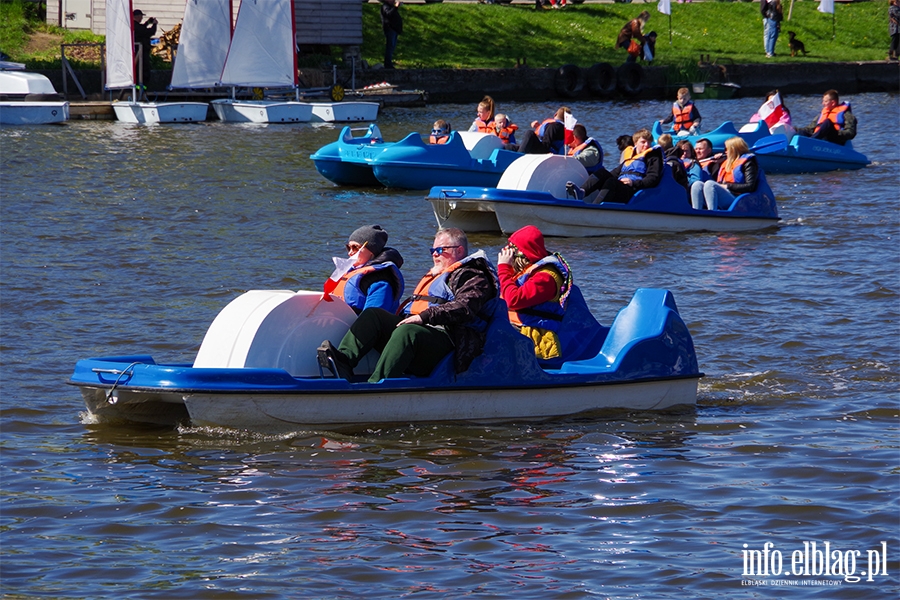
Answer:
(373, 236)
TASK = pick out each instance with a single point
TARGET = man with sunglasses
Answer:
(374, 280)
(449, 311)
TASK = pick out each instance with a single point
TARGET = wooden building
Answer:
(319, 22)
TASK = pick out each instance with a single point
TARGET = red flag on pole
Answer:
(771, 111)
(570, 123)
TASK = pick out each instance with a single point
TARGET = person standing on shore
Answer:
(392, 24)
(894, 28)
(773, 14)
(631, 36)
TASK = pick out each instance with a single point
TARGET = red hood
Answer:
(530, 241)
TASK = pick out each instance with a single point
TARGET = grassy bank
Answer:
(25, 38)
(484, 36)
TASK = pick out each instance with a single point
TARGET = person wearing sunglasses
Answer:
(448, 312)
(374, 280)
(544, 303)
(440, 132)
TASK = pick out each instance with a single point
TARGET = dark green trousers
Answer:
(416, 349)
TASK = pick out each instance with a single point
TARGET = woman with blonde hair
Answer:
(739, 174)
(484, 119)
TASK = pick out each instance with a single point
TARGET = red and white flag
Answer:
(570, 122)
(771, 111)
(341, 266)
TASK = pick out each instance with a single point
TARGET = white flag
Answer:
(665, 7)
(826, 6)
(341, 266)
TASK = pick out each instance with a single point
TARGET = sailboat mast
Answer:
(294, 50)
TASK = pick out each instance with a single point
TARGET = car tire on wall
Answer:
(601, 79)
(630, 79)
(567, 81)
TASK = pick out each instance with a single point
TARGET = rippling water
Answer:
(123, 239)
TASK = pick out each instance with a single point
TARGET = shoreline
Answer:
(527, 84)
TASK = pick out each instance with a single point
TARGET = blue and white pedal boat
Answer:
(532, 192)
(348, 161)
(468, 158)
(717, 136)
(257, 369)
(782, 153)
(807, 155)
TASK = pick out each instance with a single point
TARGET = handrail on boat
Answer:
(452, 193)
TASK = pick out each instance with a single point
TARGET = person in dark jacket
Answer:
(631, 37)
(392, 24)
(738, 174)
(642, 171)
(143, 33)
(545, 137)
(894, 29)
(449, 311)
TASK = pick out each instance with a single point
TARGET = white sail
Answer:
(119, 45)
(203, 44)
(262, 51)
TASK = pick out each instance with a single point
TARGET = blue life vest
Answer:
(549, 314)
(348, 287)
(636, 167)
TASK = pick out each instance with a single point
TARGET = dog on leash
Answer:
(795, 44)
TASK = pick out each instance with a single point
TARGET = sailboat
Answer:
(120, 75)
(262, 54)
(202, 44)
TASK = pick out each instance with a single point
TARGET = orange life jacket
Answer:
(484, 127)
(682, 116)
(835, 115)
(735, 173)
(505, 133)
(342, 282)
(705, 162)
(421, 299)
(589, 142)
(439, 139)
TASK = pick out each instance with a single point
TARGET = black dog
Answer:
(795, 44)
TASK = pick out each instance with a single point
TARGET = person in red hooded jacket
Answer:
(543, 302)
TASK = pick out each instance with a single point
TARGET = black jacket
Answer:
(390, 17)
(475, 290)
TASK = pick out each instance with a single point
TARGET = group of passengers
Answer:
(711, 181)
(453, 304)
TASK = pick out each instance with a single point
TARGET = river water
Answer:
(120, 239)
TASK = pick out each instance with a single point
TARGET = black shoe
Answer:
(334, 360)
(573, 191)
